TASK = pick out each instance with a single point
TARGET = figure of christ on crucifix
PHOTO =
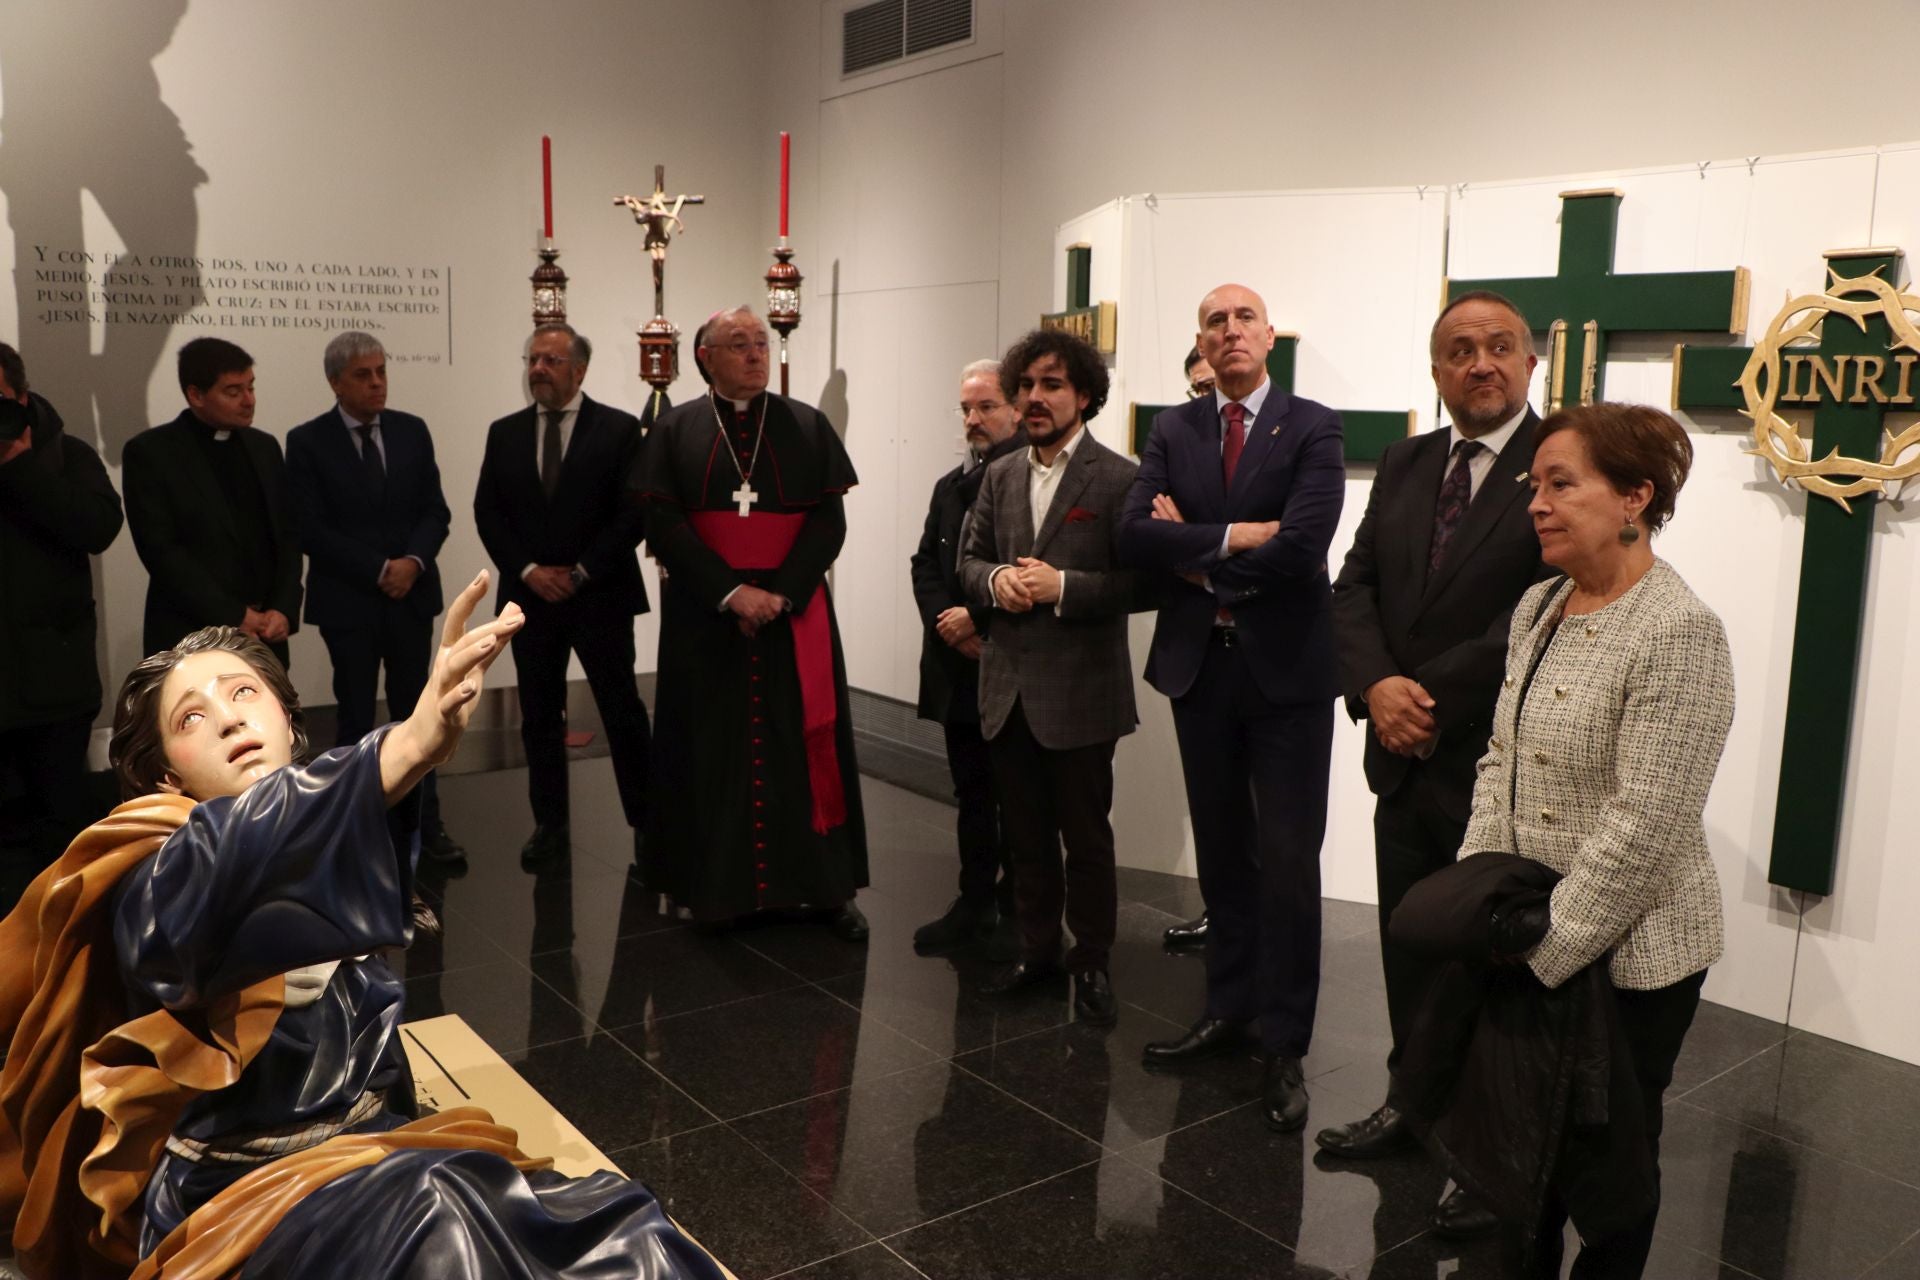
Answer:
(759, 793)
(661, 220)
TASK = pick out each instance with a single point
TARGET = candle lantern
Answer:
(783, 301)
(549, 289)
(783, 278)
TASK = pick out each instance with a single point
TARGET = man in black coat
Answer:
(57, 507)
(558, 507)
(208, 508)
(371, 517)
(950, 666)
(1421, 609)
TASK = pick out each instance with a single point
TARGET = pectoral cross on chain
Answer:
(746, 497)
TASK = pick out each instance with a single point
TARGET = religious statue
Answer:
(203, 1028)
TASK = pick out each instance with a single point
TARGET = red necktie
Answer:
(1235, 440)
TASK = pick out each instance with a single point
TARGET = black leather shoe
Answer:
(1020, 975)
(963, 922)
(1093, 1001)
(1459, 1216)
(546, 846)
(1186, 937)
(437, 846)
(1207, 1038)
(1001, 944)
(1284, 1094)
(1382, 1133)
(848, 923)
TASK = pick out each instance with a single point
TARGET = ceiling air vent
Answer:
(873, 35)
(933, 23)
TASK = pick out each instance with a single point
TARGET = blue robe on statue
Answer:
(298, 873)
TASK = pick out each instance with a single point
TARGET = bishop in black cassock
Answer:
(756, 795)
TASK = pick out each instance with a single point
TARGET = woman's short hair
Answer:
(137, 751)
(1631, 444)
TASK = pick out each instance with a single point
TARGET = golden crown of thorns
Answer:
(1779, 441)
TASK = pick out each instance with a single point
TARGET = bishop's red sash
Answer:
(762, 541)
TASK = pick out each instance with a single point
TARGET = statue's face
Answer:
(222, 727)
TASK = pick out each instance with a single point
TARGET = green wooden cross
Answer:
(1367, 432)
(1586, 303)
(1850, 383)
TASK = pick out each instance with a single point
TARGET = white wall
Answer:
(403, 134)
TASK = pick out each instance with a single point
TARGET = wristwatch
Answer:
(577, 576)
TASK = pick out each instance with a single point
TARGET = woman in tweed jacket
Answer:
(1609, 727)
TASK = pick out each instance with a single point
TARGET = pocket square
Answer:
(1080, 515)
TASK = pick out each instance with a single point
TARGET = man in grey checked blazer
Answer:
(1056, 681)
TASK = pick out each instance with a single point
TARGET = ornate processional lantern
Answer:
(783, 278)
(549, 281)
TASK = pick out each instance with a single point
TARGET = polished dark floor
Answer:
(814, 1108)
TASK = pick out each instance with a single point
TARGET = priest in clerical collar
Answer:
(207, 504)
(756, 795)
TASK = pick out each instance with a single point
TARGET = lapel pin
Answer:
(1521, 478)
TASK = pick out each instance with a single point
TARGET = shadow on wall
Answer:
(833, 396)
(80, 110)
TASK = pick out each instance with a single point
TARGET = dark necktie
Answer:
(1455, 493)
(371, 464)
(550, 452)
(1234, 441)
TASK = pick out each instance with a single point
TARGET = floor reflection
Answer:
(796, 1099)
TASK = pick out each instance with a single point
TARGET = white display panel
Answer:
(1342, 269)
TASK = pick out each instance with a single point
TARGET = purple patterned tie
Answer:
(1454, 496)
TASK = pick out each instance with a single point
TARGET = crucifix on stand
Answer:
(659, 339)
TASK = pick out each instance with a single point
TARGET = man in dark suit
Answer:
(558, 506)
(950, 665)
(1239, 492)
(1191, 935)
(371, 517)
(207, 505)
(1056, 684)
(57, 509)
(1421, 610)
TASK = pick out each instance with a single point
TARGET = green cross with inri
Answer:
(1860, 371)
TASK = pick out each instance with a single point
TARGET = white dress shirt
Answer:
(1481, 464)
(1253, 401)
(1042, 482)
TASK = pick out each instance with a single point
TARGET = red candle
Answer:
(546, 179)
(786, 147)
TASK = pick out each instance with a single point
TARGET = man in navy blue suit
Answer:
(370, 516)
(1239, 493)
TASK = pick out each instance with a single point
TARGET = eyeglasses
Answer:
(1202, 387)
(983, 408)
(741, 346)
(547, 362)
